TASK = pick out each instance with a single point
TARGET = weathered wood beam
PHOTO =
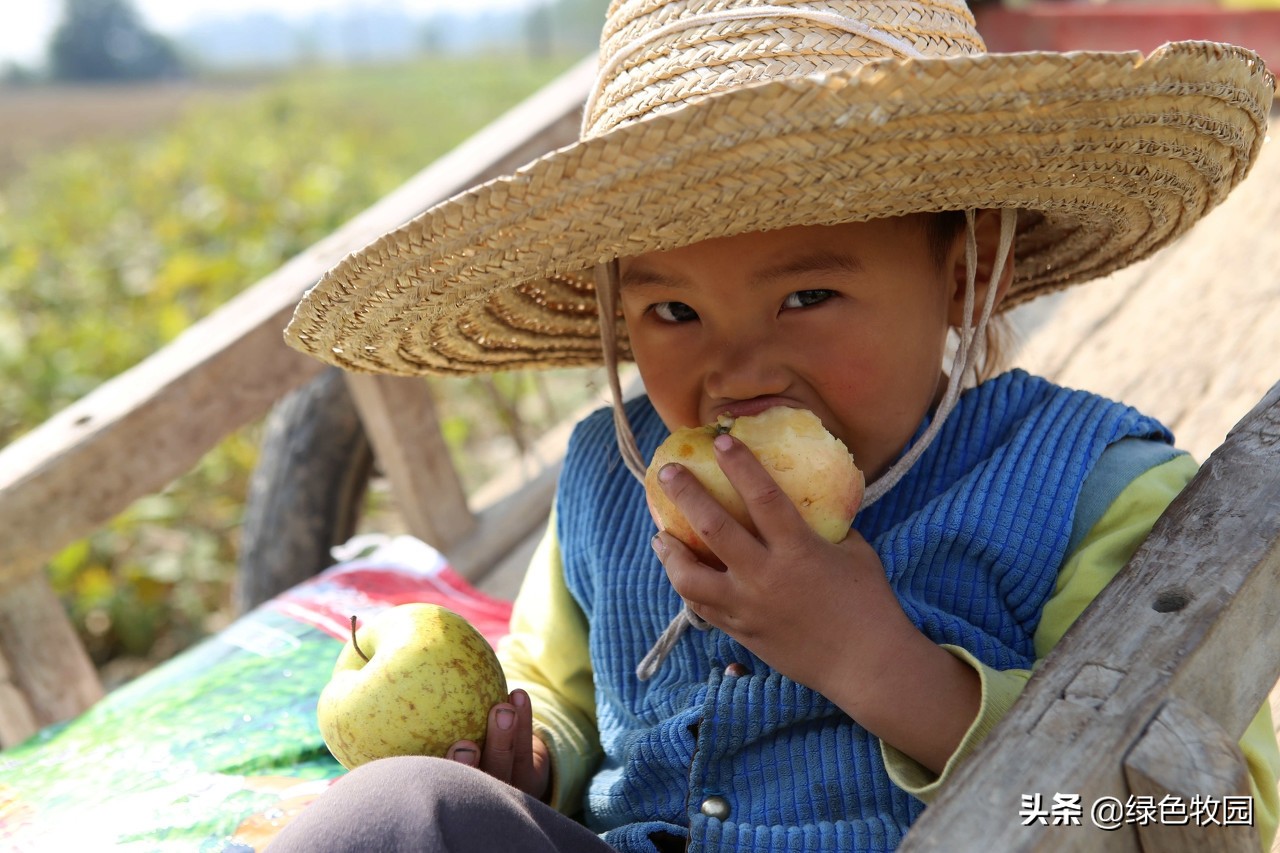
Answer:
(1183, 755)
(399, 416)
(45, 675)
(1194, 617)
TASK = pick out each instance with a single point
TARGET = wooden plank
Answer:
(399, 416)
(1191, 617)
(136, 433)
(507, 576)
(515, 505)
(1184, 756)
(17, 720)
(48, 676)
(505, 524)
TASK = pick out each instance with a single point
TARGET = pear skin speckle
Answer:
(430, 681)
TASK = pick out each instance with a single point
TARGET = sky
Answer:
(25, 25)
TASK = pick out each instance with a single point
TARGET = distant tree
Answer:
(13, 74)
(106, 40)
(577, 23)
(538, 31)
(570, 26)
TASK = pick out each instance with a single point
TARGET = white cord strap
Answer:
(607, 277)
(969, 351)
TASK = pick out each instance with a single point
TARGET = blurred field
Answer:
(128, 213)
(38, 119)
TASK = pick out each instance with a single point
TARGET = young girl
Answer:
(765, 198)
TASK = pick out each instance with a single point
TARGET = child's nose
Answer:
(744, 367)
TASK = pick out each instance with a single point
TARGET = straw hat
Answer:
(718, 117)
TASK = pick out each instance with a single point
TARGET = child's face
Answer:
(848, 321)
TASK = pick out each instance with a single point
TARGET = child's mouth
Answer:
(753, 406)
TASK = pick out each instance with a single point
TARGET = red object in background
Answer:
(1064, 26)
(364, 587)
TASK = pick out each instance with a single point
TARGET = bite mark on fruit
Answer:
(811, 466)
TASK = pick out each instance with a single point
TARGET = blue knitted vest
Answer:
(971, 539)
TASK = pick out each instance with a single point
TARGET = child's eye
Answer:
(674, 312)
(805, 298)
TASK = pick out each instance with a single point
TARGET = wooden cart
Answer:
(1147, 696)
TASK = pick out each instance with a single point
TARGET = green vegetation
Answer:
(109, 249)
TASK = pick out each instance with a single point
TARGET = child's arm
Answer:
(546, 655)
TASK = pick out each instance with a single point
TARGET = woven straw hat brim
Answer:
(1109, 155)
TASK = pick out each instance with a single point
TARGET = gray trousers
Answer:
(430, 804)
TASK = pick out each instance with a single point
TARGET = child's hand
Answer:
(821, 614)
(512, 753)
(810, 609)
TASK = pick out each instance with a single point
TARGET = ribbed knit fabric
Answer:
(971, 540)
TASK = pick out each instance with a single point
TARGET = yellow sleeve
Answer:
(546, 654)
(1102, 553)
(1000, 688)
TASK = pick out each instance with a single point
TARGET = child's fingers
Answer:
(712, 522)
(464, 752)
(695, 581)
(522, 769)
(771, 510)
(498, 755)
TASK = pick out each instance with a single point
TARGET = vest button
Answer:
(716, 807)
(737, 670)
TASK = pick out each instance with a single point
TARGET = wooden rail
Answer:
(136, 433)
(1155, 682)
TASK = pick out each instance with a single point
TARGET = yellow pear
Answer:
(413, 680)
(809, 464)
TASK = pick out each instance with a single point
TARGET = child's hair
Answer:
(941, 230)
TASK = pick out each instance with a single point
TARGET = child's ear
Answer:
(987, 231)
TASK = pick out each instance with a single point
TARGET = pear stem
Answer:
(354, 644)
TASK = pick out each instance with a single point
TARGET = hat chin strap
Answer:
(969, 352)
(607, 277)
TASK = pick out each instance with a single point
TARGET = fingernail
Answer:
(658, 545)
(723, 442)
(465, 756)
(506, 719)
(519, 698)
(667, 472)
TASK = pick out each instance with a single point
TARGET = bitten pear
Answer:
(413, 680)
(808, 463)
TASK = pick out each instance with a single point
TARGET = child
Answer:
(765, 197)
